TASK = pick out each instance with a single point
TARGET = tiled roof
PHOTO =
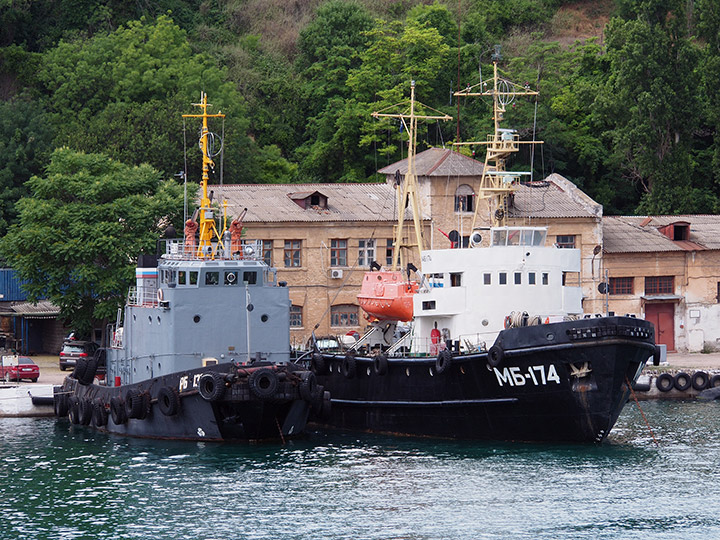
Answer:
(638, 234)
(438, 162)
(554, 197)
(271, 203)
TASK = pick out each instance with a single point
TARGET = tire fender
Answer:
(496, 355)
(664, 382)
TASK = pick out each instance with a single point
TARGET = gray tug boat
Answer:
(202, 349)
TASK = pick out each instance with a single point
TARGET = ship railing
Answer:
(463, 343)
(177, 248)
(143, 296)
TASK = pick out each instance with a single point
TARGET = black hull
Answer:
(233, 413)
(564, 382)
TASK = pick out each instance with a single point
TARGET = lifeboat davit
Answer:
(386, 295)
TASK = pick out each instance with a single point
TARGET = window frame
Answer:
(338, 252)
(660, 284)
(566, 241)
(296, 315)
(366, 251)
(621, 285)
(292, 251)
(348, 312)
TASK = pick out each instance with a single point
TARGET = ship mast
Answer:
(409, 195)
(208, 229)
(497, 184)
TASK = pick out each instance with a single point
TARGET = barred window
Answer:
(296, 316)
(660, 285)
(267, 247)
(621, 285)
(464, 197)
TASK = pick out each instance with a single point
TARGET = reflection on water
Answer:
(59, 481)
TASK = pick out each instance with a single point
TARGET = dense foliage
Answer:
(633, 119)
(80, 228)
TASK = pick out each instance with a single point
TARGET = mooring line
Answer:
(641, 411)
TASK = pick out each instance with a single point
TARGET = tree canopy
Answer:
(80, 229)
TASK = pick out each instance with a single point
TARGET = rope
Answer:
(186, 172)
(280, 431)
(641, 411)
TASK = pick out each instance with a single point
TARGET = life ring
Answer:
(508, 322)
(714, 381)
(117, 411)
(348, 366)
(160, 295)
(664, 382)
(211, 386)
(495, 356)
(443, 361)
(700, 380)
(682, 381)
(100, 414)
(308, 386)
(263, 383)
(168, 401)
(380, 364)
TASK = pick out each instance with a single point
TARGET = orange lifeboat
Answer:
(387, 296)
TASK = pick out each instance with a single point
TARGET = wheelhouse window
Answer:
(296, 313)
(545, 278)
(338, 252)
(250, 278)
(502, 278)
(621, 285)
(531, 278)
(366, 252)
(456, 279)
(293, 250)
(182, 277)
(464, 199)
(344, 315)
(231, 278)
(487, 278)
(566, 241)
(518, 278)
(660, 285)
(212, 278)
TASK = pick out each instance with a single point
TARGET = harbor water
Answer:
(59, 481)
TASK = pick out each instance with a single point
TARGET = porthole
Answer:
(485, 322)
(368, 372)
(407, 371)
(150, 319)
(158, 319)
(134, 317)
(196, 319)
(550, 336)
(264, 318)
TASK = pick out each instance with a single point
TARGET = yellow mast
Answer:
(208, 230)
(409, 196)
(496, 185)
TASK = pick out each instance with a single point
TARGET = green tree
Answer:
(24, 149)
(123, 94)
(86, 220)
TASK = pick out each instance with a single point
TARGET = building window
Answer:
(620, 285)
(389, 252)
(366, 252)
(266, 248)
(292, 253)
(565, 241)
(338, 252)
(660, 285)
(296, 316)
(344, 315)
(464, 197)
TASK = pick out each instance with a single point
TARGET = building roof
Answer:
(640, 234)
(272, 203)
(554, 197)
(438, 162)
(43, 309)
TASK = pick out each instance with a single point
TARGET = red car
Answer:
(16, 368)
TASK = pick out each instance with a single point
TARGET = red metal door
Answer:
(663, 317)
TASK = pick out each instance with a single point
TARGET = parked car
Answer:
(16, 368)
(74, 349)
